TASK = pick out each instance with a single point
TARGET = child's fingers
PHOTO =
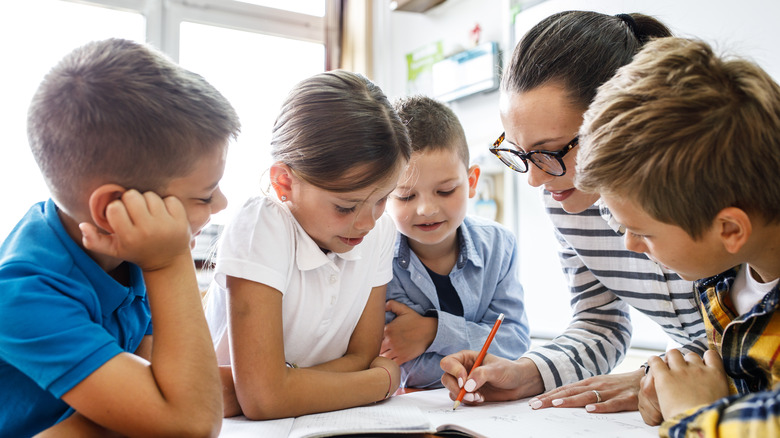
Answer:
(396, 307)
(154, 204)
(174, 207)
(713, 359)
(118, 216)
(92, 239)
(675, 359)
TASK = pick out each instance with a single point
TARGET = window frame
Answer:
(163, 19)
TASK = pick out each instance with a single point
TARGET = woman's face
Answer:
(544, 119)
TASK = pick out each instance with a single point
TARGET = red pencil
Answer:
(480, 357)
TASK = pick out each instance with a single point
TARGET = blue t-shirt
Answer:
(61, 318)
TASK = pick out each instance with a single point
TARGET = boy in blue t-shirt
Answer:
(684, 148)
(453, 274)
(132, 148)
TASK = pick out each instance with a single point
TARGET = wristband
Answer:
(389, 385)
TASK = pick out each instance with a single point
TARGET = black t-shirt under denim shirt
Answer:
(449, 301)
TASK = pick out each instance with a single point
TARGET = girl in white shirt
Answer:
(296, 309)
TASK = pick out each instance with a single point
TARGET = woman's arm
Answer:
(266, 388)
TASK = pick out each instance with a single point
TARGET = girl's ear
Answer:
(98, 203)
(474, 172)
(734, 227)
(282, 180)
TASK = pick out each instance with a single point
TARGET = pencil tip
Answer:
(457, 403)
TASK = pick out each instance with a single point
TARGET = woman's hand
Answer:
(497, 379)
(598, 394)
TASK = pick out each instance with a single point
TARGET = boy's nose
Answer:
(426, 207)
(634, 243)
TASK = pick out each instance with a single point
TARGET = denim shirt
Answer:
(485, 277)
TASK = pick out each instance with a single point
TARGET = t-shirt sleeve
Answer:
(385, 229)
(258, 246)
(48, 329)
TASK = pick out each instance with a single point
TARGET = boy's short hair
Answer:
(685, 134)
(121, 112)
(432, 125)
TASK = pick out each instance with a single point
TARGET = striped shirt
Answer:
(749, 345)
(604, 279)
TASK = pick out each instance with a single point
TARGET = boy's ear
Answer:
(282, 180)
(98, 202)
(474, 172)
(734, 227)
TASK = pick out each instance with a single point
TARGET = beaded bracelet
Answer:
(389, 385)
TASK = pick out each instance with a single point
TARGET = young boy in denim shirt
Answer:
(132, 148)
(453, 274)
(684, 148)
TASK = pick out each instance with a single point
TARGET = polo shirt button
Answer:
(333, 279)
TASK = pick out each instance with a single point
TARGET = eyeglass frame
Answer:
(524, 156)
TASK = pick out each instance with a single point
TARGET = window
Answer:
(35, 35)
(252, 53)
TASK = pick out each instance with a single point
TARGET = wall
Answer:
(748, 29)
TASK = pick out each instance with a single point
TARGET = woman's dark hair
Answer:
(578, 49)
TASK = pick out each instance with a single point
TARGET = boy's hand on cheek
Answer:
(408, 335)
(147, 230)
(686, 382)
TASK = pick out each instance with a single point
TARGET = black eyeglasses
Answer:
(550, 162)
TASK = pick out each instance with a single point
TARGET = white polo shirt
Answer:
(324, 294)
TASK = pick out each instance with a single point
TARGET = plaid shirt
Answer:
(749, 345)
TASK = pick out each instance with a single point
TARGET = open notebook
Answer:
(431, 412)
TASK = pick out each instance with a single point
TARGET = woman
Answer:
(553, 75)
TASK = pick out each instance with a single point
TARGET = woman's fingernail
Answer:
(469, 397)
(590, 408)
(470, 385)
(536, 404)
(460, 382)
(478, 397)
(557, 402)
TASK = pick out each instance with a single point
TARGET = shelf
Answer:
(414, 5)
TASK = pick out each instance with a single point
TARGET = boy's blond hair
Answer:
(121, 112)
(432, 125)
(685, 133)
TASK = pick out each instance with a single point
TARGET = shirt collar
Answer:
(466, 252)
(308, 254)
(110, 293)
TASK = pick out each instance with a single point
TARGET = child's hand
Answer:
(408, 335)
(145, 229)
(686, 382)
(392, 368)
(648, 400)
